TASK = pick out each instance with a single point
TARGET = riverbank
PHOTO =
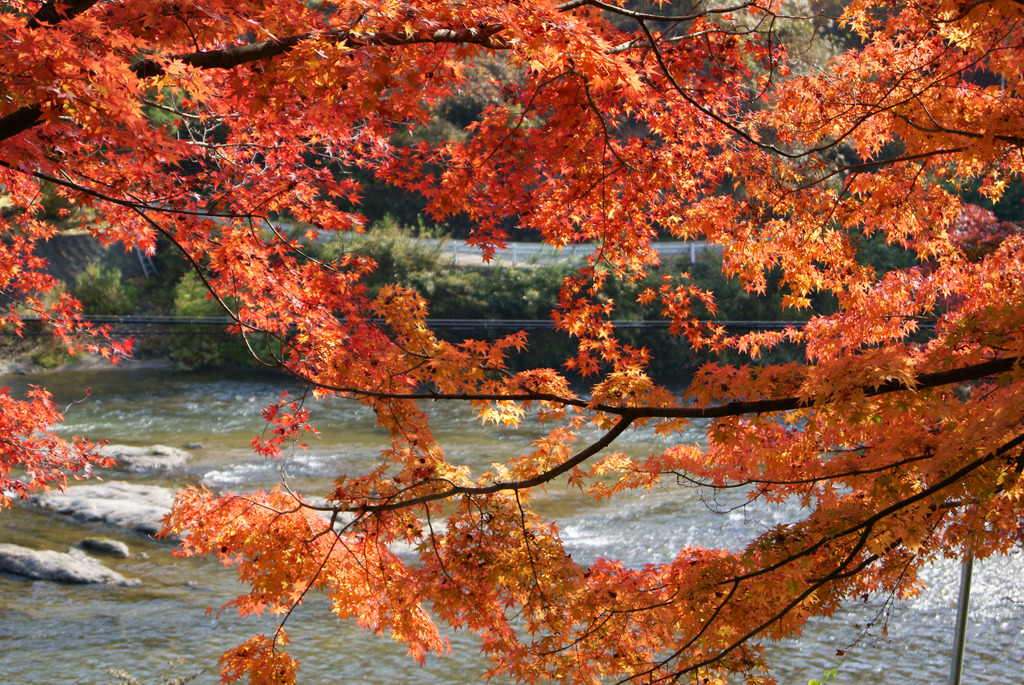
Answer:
(43, 355)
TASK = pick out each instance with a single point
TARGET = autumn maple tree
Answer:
(211, 122)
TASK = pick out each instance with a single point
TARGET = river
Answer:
(52, 633)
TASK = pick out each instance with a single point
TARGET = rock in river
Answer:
(147, 457)
(73, 567)
(128, 505)
(113, 548)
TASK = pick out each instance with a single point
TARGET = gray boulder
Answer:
(146, 457)
(73, 567)
(126, 505)
(112, 548)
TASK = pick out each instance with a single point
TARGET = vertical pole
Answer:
(960, 632)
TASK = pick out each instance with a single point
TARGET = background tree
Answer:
(209, 122)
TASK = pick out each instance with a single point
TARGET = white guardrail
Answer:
(523, 254)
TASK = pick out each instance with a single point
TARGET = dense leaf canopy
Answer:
(209, 123)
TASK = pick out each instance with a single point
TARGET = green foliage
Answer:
(393, 247)
(203, 345)
(54, 206)
(191, 298)
(192, 348)
(735, 303)
(531, 293)
(512, 293)
(499, 293)
(877, 253)
(52, 354)
(826, 677)
(101, 291)
(161, 110)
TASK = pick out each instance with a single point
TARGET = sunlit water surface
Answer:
(52, 633)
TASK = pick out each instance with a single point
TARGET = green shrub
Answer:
(52, 354)
(392, 246)
(192, 347)
(206, 344)
(101, 291)
(191, 298)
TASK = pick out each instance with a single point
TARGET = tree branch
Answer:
(739, 408)
(20, 120)
(231, 57)
(628, 415)
(454, 490)
(54, 12)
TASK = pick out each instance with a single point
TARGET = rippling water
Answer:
(53, 633)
